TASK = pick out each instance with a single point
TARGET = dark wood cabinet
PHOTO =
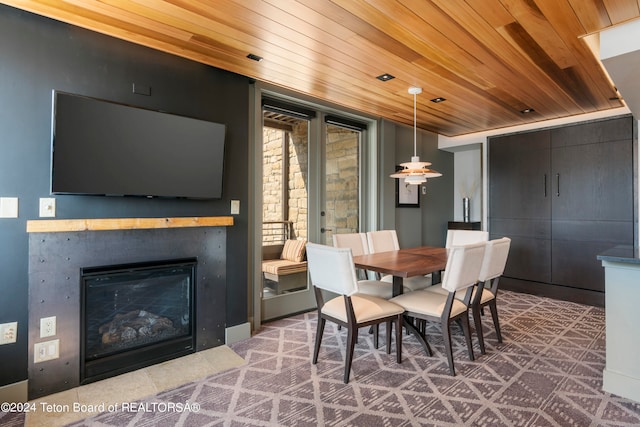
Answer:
(563, 195)
(519, 173)
(520, 202)
(461, 225)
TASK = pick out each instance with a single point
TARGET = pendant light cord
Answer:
(415, 124)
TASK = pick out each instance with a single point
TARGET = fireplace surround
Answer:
(57, 256)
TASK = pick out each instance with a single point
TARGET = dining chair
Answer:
(332, 269)
(382, 241)
(465, 237)
(461, 274)
(495, 260)
(387, 240)
(357, 242)
(458, 238)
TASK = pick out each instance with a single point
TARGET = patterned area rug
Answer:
(547, 372)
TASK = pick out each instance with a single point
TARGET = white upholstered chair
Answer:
(382, 241)
(495, 260)
(357, 242)
(332, 269)
(459, 238)
(465, 237)
(387, 240)
(461, 275)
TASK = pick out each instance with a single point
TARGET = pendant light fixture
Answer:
(415, 171)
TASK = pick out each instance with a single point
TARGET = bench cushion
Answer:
(282, 267)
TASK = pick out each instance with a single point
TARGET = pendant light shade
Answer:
(415, 171)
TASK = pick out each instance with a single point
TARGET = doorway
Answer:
(311, 189)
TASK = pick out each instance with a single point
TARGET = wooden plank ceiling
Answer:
(490, 59)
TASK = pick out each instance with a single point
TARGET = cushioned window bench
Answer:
(285, 266)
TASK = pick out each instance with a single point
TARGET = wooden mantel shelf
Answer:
(102, 224)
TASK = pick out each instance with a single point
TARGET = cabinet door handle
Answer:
(558, 185)
(544, 185)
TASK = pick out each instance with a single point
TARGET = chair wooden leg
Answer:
(496, 322)
(446, 336)
(319, 332)
(376, 331)
(478, 325)
(413, 321)
(389, 330)
(398, 338)
(467, 335)
(351, 344)
(422, 326)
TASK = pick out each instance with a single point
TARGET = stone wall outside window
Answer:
(342, 179)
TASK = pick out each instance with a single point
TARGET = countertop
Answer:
(625, 254)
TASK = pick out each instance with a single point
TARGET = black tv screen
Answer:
(105, 148)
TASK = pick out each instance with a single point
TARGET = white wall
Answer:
(468, 182)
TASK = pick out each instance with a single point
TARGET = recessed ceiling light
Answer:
(254, 57)
(438, 99)
(527, 110)
(385, 77)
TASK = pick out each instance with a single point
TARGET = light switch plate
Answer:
(8, 207)
(47, 207)
(8, 333)
(47, 350)
(235, 207)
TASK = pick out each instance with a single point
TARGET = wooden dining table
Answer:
(405, 263)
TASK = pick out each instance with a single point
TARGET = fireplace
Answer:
(135, 315)
(61, 250)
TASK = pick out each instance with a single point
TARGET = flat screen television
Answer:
(105, 148)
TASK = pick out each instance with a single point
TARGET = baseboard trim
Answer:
(15, 393)
(237, 333)
(565, 293)
(621, 385)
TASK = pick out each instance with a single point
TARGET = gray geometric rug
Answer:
(547, 372)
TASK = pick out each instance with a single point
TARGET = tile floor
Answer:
(72, 405)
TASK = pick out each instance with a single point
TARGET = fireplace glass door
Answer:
(135, 315)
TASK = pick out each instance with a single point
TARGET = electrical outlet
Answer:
(47, 326)
(8, 333)
(47, 350)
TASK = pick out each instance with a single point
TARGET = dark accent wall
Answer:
(426, 225)
(437, 204)
(38, 55)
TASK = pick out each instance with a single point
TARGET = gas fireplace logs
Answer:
(134, 325)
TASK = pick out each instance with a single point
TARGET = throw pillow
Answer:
(294, 250)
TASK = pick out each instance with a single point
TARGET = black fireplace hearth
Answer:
(135, 315)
